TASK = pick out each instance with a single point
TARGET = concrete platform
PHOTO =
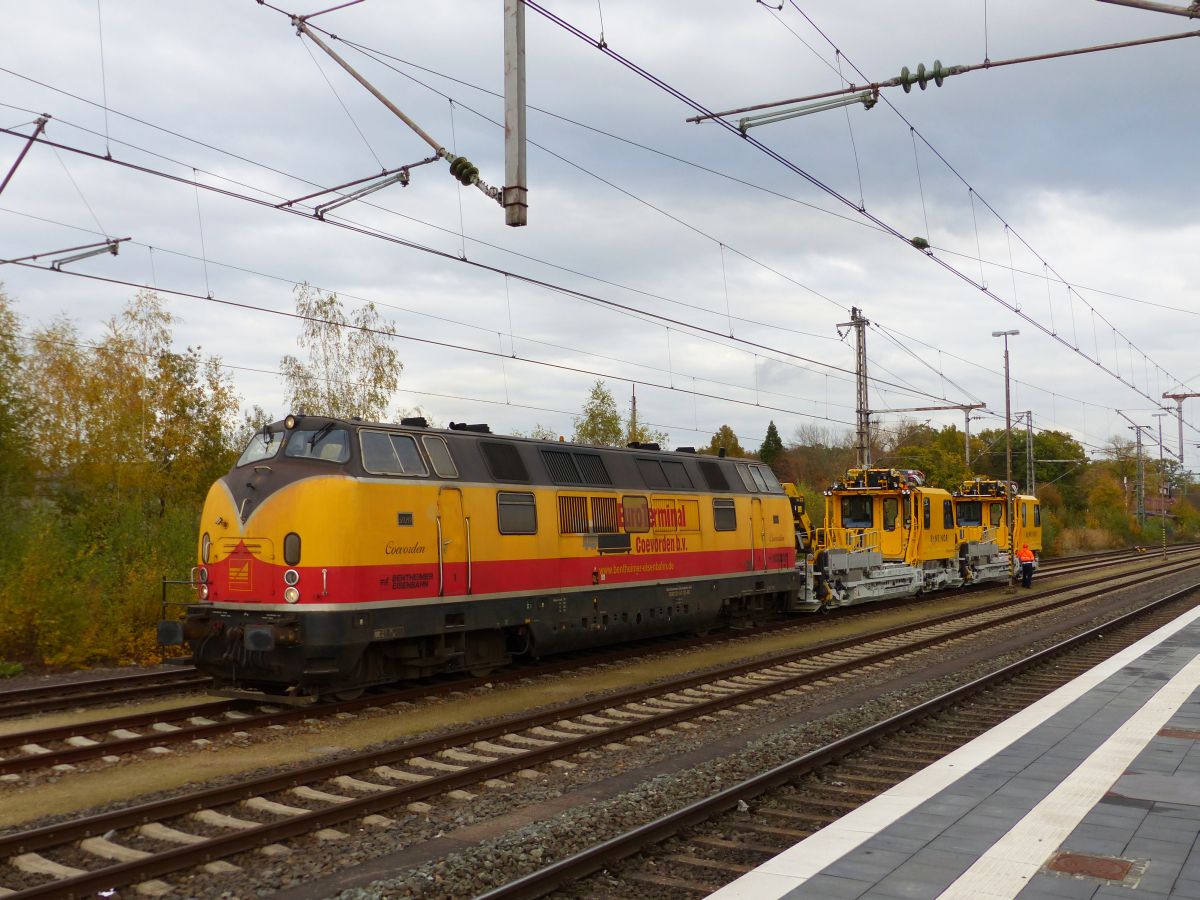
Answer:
(1092, 792)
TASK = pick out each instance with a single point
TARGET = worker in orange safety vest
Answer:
(1025, 557)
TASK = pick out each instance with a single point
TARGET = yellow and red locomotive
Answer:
(338, 553)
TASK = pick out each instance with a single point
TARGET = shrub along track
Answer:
(61, 747)
(152, 839)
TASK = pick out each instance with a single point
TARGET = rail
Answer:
(573, 868)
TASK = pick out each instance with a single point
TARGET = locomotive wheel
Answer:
(482, 671)
(347, 694)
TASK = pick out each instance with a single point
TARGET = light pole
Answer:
(1162, 482)
(1008, 491)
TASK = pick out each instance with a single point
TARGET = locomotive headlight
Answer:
(289, 423)
(202, 574)
(291, 595)
(291, 577)
(205, 547)
(203, 591)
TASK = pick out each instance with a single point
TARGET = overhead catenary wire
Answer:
(456, 234)
(1015, 307)
(440, 395)
(432, 342)
(376, 54)
(816, 182)
(864, 223)
(627, 141)
(446, 319)
(103, 71)
(528, 340)
(369, 231)
(341, 102)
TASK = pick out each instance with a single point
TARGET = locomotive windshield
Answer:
(857, 512)
(970, 513)
(264, 445)
(327, 443)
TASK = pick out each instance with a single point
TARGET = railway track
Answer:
(62, 747)
(141, 843)
(99, 691)
(108, 690)
(707, 844)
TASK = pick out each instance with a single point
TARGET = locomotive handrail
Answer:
(441, 550)
(467, 526)
(854, 539)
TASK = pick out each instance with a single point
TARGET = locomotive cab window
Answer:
(948, 515)
(995, 514)
(858, 512)
(925, 511)
(724, 515)
(1024, 514)
(970, 513)
(769, 478)
(263, 445)
(1037, 516)
(891, 509)
(391, 454)
(327, 443)
(516, 513)
(759, 481)
(747, 478)
(439, 455)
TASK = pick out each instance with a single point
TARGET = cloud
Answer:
(1080, 157)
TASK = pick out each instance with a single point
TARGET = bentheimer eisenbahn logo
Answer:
(239, 576)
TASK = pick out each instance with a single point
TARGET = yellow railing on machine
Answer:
(853, 539)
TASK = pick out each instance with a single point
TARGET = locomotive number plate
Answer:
(386, 634)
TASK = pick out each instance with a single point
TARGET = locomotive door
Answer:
(892, 534)
(454, 544)
(758, 534)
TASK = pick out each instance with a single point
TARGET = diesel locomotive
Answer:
(339, 554)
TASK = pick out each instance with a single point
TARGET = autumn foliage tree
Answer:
(600, 421)
(117, 440)
(352, 367)
(726, 440)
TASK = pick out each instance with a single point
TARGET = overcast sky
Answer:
(1089, 162)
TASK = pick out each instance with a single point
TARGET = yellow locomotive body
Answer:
(338, 554)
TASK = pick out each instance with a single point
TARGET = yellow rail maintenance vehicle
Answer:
(885, 535)
(981, 511)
